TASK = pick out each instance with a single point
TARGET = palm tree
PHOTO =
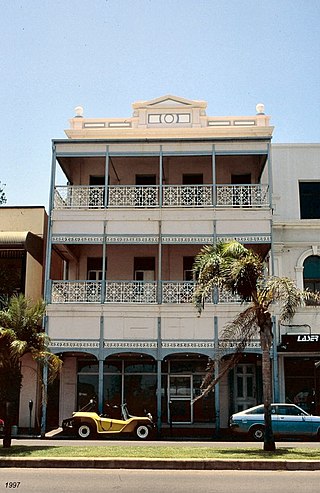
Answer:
(232, 267)
(21, 333)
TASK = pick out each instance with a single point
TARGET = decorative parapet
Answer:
(169, 113)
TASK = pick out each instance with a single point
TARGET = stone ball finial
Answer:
(79, 111)
(260, 109)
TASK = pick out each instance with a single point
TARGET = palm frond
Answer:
(311, 298)
(18, 348)
(230, 266)
(53, 362)
(283, 291)
(243, 328)
(240, 331)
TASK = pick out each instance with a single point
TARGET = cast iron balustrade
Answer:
(133, 196)
(187, 196)
(76, 292)
(178, 292)
(140, 196)
(242, 195)
(79, 197)
(131, 292)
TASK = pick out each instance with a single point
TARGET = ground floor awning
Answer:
(13, 241)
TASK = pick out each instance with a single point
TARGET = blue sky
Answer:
(106, 54)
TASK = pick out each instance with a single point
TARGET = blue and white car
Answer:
(288, 420)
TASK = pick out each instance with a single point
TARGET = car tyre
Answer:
(142, 432)
(257, 433)
(85, 431)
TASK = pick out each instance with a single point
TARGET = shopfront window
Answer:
(140, 393)
(140, 367)
(87, 382)
(133, 381)
(300, 382)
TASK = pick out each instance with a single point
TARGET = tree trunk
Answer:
(266, 343)
(7, 426)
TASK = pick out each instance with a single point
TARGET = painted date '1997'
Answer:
(12, 484)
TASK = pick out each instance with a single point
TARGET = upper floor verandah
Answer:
(182, 174)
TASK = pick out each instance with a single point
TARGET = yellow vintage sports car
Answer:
(88, 424)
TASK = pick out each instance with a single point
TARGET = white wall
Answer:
(291, 163)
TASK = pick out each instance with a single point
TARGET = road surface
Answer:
(133, 481)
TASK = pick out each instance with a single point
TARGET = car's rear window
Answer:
(258, 410)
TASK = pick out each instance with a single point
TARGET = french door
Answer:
(244, 387)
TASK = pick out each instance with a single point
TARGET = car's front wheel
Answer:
(257, 433)
(142, 432)
(85, 431)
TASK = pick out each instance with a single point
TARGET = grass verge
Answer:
(160, 452)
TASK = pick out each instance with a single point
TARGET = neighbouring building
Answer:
(22, 259)
(132, 201)
(296, 247)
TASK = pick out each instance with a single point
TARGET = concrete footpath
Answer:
(164, 464)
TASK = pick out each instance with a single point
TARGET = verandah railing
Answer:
(121, 196)
(177, 292)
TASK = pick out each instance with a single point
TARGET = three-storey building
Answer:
(132, 202)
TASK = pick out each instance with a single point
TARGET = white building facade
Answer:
(296, 247)
(132, 201)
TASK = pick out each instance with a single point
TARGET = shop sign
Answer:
(300, 342)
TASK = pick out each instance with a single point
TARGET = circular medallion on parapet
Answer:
(169, 118)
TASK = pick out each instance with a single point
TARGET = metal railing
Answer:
(133, 196)
(79, 197)
(76, 292)
(242, 195)
(121, 196)
(176, 292)
(131, 292)
(187, 196)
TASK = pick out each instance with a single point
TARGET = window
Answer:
(192, 179)
(144, 268)
(94, 268)
(146, 180)
(257, 410)
(311, 273)
(187, 268)
(309, 200)
(97, 180)
(241, 179)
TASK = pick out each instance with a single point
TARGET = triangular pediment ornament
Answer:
(169, 101)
